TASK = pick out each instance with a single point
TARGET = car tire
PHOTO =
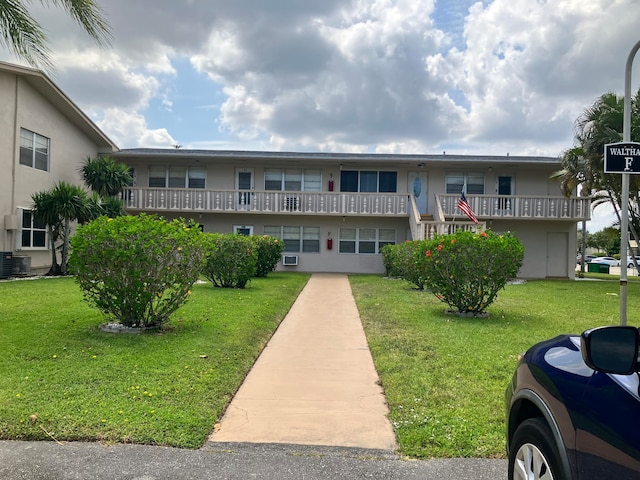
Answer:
(532, 454)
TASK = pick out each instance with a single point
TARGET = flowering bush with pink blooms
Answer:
(466, 270)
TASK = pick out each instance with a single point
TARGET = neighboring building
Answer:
(44, 138)
(335, 211)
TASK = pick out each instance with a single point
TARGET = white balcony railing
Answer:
(518, 207)
(232, 201)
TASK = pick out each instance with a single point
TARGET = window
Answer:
(34, 233)
(157, 177)
(365, 240)
(177, 177)
(296, 239)
(292, 180)
(474, 183)
(34, 150)
(368, 181)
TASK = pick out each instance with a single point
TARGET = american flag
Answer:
(466, 208)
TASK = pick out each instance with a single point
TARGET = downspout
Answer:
(9, 235)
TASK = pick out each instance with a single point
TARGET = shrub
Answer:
(269, 250)
(137, 269)
(230, 259)
(400, 261)
(466, 270)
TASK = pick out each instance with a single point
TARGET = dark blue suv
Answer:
(573, 408)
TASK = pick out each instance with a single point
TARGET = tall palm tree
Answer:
(598, 125)
(72, 203)
(24, 36)
(105, 176)
(45, 210)
(575, 173)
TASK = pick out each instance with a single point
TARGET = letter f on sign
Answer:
(628, 163)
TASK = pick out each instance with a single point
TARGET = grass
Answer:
(62, 378)
(445, 376)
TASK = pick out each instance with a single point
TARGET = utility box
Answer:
(21, 266)
(6, 264)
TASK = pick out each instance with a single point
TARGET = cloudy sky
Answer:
(402, 76)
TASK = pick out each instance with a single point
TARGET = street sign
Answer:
(622, 157)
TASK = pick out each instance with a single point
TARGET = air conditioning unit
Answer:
(290, 260)
(292, 204)
(21, 266)
(6, 264)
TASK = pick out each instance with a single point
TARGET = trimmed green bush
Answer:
(230, 259)
(466, 270)
(400, 261)
(137, 269)
(269, 251)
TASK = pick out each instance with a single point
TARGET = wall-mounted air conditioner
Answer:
(290, 260)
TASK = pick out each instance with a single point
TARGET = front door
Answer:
(417, 183)
(244, 181)
(557, 248)
(504, 187)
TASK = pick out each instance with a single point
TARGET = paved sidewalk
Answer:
(315, 382)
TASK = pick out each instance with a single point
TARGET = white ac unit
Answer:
(290, 260)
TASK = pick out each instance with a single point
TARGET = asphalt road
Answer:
(227, 461)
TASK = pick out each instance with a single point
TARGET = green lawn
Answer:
(165, 388)
(445, 376)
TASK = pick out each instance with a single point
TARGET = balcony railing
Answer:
(518, 207)
(255, 201)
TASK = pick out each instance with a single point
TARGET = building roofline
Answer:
(412, 159)
(45, 86)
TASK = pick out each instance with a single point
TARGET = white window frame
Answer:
(188, 174)
(306, 234)
(310, 179)
(346, 236)
(34, 143)
(32, 229)
(472, 187)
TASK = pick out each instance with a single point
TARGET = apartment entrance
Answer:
(244, 181)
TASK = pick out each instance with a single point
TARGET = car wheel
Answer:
(532, 455)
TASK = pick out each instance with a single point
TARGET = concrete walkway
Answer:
(315, 382)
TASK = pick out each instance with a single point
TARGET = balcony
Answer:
(519, 207)
(264, 202)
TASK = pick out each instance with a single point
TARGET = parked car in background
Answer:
(631, 263)
(612, 262)
(587, 258)
(573, 408)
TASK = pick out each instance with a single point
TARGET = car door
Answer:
(607, 428)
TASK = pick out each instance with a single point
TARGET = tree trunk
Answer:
(65, 247)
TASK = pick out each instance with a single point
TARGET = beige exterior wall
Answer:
(69, 146)
(549, 244)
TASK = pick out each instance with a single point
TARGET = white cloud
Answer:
(131, 129)
(351, 75)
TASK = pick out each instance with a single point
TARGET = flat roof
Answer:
(336, 158)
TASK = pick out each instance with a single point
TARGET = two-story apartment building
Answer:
(335, 211)
(44, 138)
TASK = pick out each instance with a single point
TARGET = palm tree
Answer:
(574, 173)
(72, 203)
(105, 176)
(598, 125)
(45, 210)
(22, 34)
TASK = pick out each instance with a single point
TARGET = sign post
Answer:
(629, 166)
